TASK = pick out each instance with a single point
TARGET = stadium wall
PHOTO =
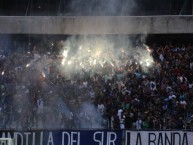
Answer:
(96, 25)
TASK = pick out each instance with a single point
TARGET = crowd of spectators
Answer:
(39, 96)
(160, 100)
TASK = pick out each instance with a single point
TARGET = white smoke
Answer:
(103, 7)
(80, 58)
(90, 117)
(95, 55)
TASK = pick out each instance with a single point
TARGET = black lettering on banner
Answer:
(152, 140)
(174, 138)
(160, 139)
(138, 140)
(168, 141)
(185, 139)
(127, 138)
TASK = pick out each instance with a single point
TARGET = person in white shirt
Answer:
(138, 124)
(122, 121)
(40, 113)
(101, 108)
(161, 57)
(85, 84)
(40, 104)
(119, 113)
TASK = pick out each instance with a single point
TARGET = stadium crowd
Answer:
(36, 96)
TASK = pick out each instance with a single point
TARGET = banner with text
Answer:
(158, 138)
(83, 137)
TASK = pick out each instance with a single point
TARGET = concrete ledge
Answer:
(96, 25)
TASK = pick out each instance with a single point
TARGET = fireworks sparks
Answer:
(94, 63)
(64, 56)
(65, 53)
(98, 52)
(43, 75)
(3, 72)
(63, 61)
(69, 62)
(112, 64)
(147, 47)
(27, 65)
(80, 60)
(148, 64)
(95, 55)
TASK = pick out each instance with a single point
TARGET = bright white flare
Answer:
(27, 65)
(64, 56)
(69, 62)
(148, 64)
(43, 74)
(147, 47)
(92, 55)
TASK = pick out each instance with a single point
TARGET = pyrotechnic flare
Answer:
(98, 53)
(43, 75)
(69, 62)
(147, 48)
(112, 64)
(94, 63)
(64, 55)
(63, 61)
(27, 65)
(148, 64)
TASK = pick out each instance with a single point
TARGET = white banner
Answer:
(158, 138)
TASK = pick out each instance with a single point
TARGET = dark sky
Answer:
(95, 7)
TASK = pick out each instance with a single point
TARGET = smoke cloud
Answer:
(39, 95)
(93, 55)
(104, 7)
